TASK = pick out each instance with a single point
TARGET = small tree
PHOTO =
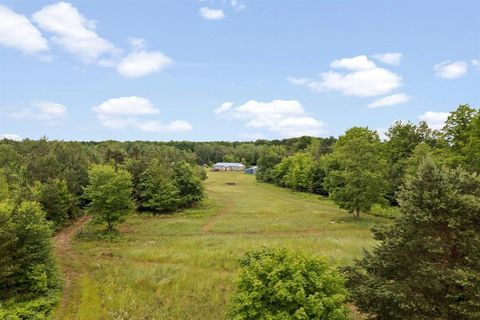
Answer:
(278, 284)
(158, 192)
(56, 201)
(356, 171)
(428, 263)
(27, 265)
(110, 193)
(188, 184)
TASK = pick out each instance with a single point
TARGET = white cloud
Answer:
(362, 78)
(124, 112)
(142, 63)
(73, 32)
(17, 32)
(224, 107)
(211, 14)
(389, 57)
(435, 120)
(476, 63)
(451, 70)
(237, 5)
(286, 117)
(51, 112)
(355, 63)
(390, 100)
(10, 136)
(298, 81)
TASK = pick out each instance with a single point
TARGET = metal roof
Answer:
(229, 164)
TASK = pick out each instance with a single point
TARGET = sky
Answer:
(232, 69)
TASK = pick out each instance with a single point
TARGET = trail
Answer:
(67, 258)
(228, 206)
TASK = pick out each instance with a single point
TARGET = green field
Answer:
(183, 266)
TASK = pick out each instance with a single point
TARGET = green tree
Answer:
(456, 127)
(25, 251)
(190, 188)
(158, 192)
(471, 149)
(269, 157)
(57, 202)
(299, 175)
(4, 188)
(427, 265)
(356, 171)
(277, 284)
(110, 194)
(401, 142)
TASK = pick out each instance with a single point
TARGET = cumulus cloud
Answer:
(142, 63)
(389, 57)
(286, 117)
(390, 100)
(355, 63)
(451, 70)
(17, 32)
(435, 120)
(50, 112)
(211, 14)
(476, 63)
(124, 112)
(362, 78)
(237, 5)
(10, 136)
(224, 107)
(73, 31)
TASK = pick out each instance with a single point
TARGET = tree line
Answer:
(360, 170)
(44, 185)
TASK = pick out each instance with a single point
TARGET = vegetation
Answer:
(277, 284)
(427, 264)
(159, 263)
(110, 192)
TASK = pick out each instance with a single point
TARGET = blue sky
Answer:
(232, 70)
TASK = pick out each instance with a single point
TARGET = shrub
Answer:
(278, 284)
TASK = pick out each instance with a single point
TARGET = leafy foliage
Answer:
(110, 193)
(356, 171)
(427, 266)
(278, 284)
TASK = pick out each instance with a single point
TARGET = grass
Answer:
(183, 266)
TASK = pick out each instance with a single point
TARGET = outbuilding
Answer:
(228, 166)
(251, 170)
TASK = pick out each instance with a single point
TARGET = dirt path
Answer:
(67, 259)
(228, 205)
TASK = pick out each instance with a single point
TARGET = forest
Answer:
(416, 188)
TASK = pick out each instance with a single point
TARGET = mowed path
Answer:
(183, 266)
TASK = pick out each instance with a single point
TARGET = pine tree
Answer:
(428, 263)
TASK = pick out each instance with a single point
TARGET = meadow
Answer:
(183, 266)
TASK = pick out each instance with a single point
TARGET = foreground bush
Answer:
(428, 263)
(278, 284)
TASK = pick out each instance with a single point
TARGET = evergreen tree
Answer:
(190, 188)
(158, 192)
(427, 265)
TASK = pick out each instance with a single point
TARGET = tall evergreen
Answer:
(427, 265)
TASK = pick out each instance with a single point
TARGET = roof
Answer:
(229, 164)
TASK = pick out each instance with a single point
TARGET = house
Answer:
(228, 166)
(252, 170)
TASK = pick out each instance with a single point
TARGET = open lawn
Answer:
(183, 266)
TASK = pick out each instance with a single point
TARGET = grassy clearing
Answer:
(183, 266)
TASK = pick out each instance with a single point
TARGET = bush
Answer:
(384, 211)
(278, 284)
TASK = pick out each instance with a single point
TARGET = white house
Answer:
(228, 166)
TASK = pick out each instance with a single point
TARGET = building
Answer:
(252, 170)
(228, 166)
